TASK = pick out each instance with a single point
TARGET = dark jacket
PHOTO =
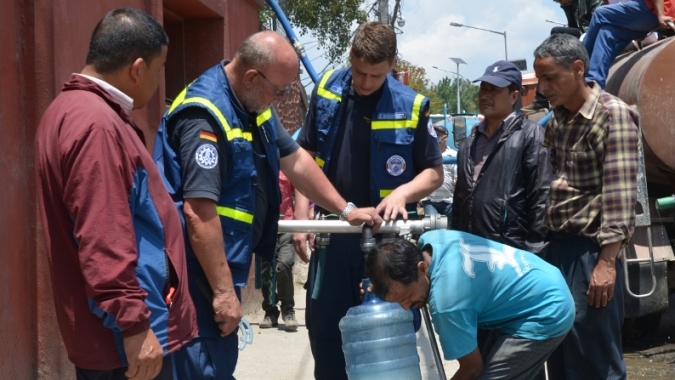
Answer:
(581, 13)
(507, 203)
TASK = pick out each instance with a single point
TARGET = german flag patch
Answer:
(208, 136)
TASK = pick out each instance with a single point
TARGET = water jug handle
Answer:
(246, 333)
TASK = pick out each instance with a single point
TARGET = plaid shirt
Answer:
(595, 161)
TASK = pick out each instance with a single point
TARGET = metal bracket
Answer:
(642, 220)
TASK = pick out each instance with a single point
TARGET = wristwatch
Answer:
(348, 208)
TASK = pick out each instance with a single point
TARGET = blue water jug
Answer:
(378, 340)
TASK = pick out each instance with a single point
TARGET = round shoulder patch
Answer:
(395, 165)
(207, 156)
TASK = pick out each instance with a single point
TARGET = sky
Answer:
(429, 40)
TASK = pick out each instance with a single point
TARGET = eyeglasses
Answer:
(276, 92)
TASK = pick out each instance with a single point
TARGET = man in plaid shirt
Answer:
(593, 138)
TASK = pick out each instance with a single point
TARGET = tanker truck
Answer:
(646, 79)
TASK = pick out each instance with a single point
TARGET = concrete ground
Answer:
(281, 355)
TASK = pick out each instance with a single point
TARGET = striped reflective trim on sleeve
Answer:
(235, 214)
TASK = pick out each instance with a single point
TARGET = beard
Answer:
(251, 101)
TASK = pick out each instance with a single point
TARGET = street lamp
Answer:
(449, 72)
(506, 54)
(556, 22)
(458, 61)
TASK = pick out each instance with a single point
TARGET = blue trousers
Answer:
(208, 357)
(592, 350)
(611, 29)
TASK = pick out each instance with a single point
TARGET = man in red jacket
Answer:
(113, 234)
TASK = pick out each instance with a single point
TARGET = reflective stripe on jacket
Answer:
(393, 128)
(236, 206)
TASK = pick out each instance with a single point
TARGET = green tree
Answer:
(416, 76)
(329, 20)
(445, 92)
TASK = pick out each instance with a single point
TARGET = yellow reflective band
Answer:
(392, 124)
(230, 133)
(323, 92)
(385, 192)
(401, 124)
(178, 100)
(319, 161)
(264, 116)
(416, 109)
(235, 214)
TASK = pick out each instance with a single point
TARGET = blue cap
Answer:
(502, 74)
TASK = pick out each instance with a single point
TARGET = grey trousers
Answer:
(512, 357)
(277, 279)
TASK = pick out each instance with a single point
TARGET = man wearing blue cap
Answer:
(503, 172)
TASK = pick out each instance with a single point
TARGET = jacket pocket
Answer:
(242, 155)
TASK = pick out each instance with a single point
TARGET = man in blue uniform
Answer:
(471, 282)
(372, 137)
(220, 148)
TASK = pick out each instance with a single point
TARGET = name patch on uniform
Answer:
(336, 88)
(395, 165)
(208, 136)
(392, 116)
(207, 156)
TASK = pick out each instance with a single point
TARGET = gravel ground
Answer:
(654, 358)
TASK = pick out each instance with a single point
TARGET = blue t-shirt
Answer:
(476, 282)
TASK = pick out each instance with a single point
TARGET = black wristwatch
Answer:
(348, 208)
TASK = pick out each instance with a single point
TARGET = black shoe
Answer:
(271, 319)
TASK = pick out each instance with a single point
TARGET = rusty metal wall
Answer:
(44, 41)
(645, 78)
(17, 218)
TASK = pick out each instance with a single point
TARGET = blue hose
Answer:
(294, 39)
(544, 120)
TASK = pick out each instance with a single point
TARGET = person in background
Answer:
(277, 275)
(440, 200)
(578, 14)
(112, 233)
(593, 137)
(503, 172)
(614, 26)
